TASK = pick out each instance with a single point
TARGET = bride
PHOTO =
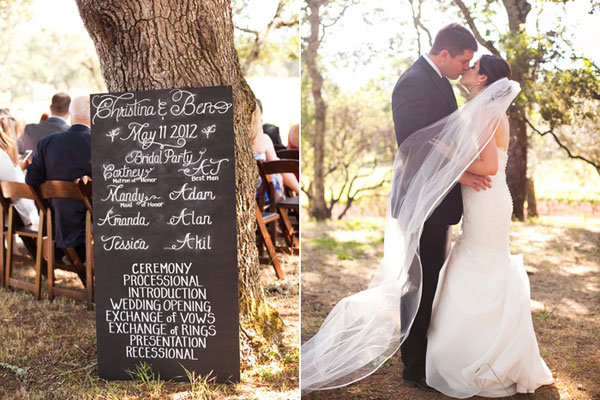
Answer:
(481, 340)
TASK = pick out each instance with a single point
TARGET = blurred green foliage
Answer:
(279, 54)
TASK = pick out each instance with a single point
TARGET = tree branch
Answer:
(334, 21)
(261, 37)
(286, 24)
(562, 146)
(252, 31)
(352, 197)
(416, 15)
(467, 14)
(429, 37)
(330, 170)
(364, 189)
(308, 190)
(416, 25)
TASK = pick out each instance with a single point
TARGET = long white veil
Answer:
(363, 330)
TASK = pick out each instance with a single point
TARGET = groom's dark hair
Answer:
(454, 38)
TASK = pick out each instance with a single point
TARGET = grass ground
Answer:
(562, 255)
(48, 350)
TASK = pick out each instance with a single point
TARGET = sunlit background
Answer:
(366, 45)
(46, 49)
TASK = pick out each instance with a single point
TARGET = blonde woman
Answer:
(264, 150)
(10, 171)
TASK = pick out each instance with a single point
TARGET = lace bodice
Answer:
(487, 213)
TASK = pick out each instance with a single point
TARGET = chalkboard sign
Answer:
(165, 249)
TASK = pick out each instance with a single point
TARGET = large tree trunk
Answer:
(188, 43)
(531, 200)
(516, 170)
(318, 207)
(516, 174)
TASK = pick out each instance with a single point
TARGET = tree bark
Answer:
(531, 201)
(165, 44)
(318, 207)
(516, 169)
(516, 174)
(517, 11)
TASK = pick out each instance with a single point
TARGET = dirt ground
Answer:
(562, 255)
(48, 350)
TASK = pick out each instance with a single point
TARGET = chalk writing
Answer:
(113, 219)
(192, 242)
(117, 242)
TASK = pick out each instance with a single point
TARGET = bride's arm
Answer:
(487, 163)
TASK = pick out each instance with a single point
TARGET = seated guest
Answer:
(10, 125)
(11, 172)
(270, 129)
(293, 141)
(56, 122)
(293, 137)
(66, 156)
(273, 132)
(264, 150)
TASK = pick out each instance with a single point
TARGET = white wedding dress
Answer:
(481, 339)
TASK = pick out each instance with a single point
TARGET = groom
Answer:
(422, 96)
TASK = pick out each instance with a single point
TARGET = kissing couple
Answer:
(460, 314)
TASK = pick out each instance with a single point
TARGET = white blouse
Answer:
(12, 173)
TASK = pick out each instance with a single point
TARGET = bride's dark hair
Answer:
(494, 68)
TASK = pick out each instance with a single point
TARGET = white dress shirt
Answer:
(435, 68)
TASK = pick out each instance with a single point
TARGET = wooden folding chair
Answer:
(12, 191)
(262, 220)
(288, 154)
(29, 242)
(278, 204)
(85, 188)
(4, 205)
(68, 190)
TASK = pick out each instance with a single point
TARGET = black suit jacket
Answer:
(421, 98)
(34, 132)
(64, 156)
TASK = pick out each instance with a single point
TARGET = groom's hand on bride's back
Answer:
(477, 182)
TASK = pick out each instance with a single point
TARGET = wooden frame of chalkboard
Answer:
(165, 231)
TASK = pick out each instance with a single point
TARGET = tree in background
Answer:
(549, 96)
(560, 87)
(188, 43)
(318, 208)
(358, 148)
(12, 12)
(569, 101)
(534, 62)
(62, 60)
(321, 14)
(36, 62)
(256, 44)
